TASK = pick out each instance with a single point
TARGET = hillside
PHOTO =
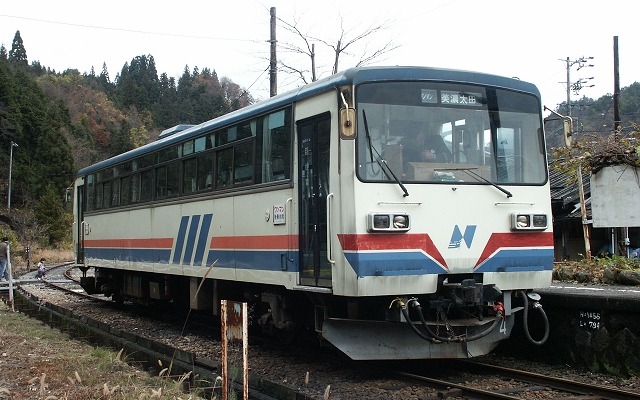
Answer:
(64, 121)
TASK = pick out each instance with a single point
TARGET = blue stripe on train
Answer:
(160, 256)
(251, 260)
(363, 263)
(392, 264)
(519, 260)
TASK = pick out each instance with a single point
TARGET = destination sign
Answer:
(460, 98)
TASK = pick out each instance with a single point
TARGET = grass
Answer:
(38, 362)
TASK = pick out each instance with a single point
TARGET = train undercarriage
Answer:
(462, 319)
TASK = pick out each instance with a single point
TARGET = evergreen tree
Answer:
(166, 114)
(3, 53)
(121, 139)
(18, 54)
(138, 84)
(51, 216)
(184, 96)
(104, 75)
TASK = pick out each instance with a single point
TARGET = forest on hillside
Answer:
(64, 121)
(54, 123)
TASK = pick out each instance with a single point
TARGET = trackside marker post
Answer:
(233, 316)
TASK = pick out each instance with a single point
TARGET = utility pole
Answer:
(616, 87)
(577, 85)
(273, 70)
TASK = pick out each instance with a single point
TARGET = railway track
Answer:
(472, 379)
(151, 349)
(142, 350)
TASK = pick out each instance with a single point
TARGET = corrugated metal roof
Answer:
(568, 196)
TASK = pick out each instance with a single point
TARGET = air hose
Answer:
(434, 338)
(525, 317)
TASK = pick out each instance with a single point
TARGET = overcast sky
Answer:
(528, 40)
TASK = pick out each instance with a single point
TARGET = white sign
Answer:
(615, 196)
(279, 214)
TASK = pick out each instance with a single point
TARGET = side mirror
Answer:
(347, 123)
(568, 130)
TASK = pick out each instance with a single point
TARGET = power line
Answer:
(129, 30)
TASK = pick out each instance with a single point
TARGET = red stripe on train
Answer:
(419, 241)
(272, 242)
(515, 239)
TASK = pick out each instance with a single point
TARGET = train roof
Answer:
(352, 76)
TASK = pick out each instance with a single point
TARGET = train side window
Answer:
(205, 171)
(224, 167)
(274, 147)
(243, 163)
(161, 182)
(125, 189)
(146, 185)
(106, 195)
(173, 179)
(115, 192)
(190, 168)
(90, 192)
(99, 196)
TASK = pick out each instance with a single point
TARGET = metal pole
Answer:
(273, 65)
(10, 277)
(616, 87)
(568, 88)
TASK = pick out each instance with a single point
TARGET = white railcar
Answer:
(401, 212)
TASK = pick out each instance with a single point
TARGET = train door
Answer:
(80, 224)
(313, 157)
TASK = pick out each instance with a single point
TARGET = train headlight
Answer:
(388, 222)
(529, 222)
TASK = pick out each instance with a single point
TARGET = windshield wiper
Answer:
(471, 172)
(381, 162)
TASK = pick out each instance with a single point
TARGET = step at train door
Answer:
(313, 157)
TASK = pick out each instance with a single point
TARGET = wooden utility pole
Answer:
(616, 86)
(273, 70)
(583, 208)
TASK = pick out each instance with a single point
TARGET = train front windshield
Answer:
(445, 132)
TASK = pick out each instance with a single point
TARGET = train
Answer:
(323, 209)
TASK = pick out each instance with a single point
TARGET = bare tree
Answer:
(345, 45)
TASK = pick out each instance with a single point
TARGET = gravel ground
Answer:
(311, 375)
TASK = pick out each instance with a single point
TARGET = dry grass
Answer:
(38, 362)
(51, 256)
